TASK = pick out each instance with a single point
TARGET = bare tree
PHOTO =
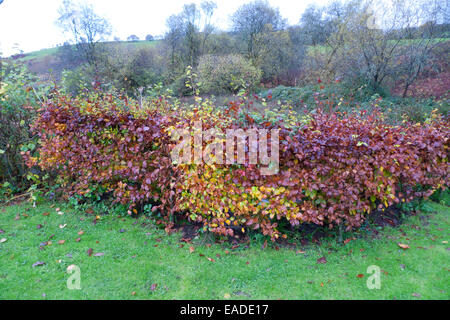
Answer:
(86, 27)
(252, 18)
(208, 8)
(396, 45)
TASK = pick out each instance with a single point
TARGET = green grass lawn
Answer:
(142, 262)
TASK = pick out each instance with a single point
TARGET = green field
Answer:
(139, 261)
(42, 54)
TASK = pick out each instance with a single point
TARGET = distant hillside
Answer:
(43, 61)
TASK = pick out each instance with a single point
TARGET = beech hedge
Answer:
(333, 169)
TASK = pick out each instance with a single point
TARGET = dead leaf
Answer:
(62, 226)
(153, 287)
(300, 251)
(322, 260)
(99, 254)
(89, 252)
(418, 295)
(360, 275)
(264, 244)
(133, 293)
(46, 213)
(403, 246)
(211, 259)
(3, 240)
(80, 233)
(37, 264)
(61, 241)
(39, 226)
(191, 249)
(226, 296)
(78, 239)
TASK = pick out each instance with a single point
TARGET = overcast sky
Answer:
(29, 25)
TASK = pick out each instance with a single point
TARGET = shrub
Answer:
(334, 170)
(226, 74)
(108, 143)
(76, 80)
(19, 91)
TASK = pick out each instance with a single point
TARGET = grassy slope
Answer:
(42, 54)
(132, 263)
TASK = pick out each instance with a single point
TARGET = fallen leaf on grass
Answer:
(46, 213)
(300, 251)
(191, 249)
(61, 241)
(80, 232)
(360, 275)
(264, 244)
(2, 231)
(39, 226)
(211, 259)
(89, 252)
(78, 239)
(133, 293)
(322, 260)
(99, 254)
(62, 226)
(153, 287)
(3, 240)
(418, 295)
(403, 246)
(226, 296)
(37, 264)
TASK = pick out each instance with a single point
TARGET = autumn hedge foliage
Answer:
(333, 169)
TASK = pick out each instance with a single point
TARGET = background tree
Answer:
(86, 27)
(251, 19)
(133, 37)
